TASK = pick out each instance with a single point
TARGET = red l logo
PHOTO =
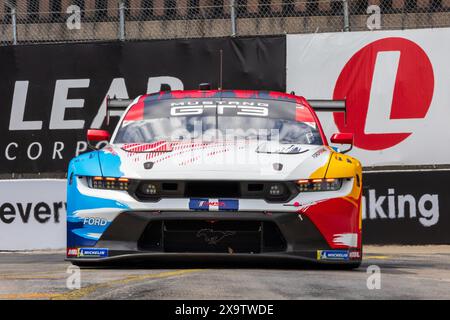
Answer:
(388, 85)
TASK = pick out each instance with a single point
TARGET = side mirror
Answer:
(343, 138)
(95, 135)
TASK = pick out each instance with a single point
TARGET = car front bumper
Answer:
(199, 235)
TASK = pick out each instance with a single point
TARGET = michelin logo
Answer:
(332, 255)
(92, 252)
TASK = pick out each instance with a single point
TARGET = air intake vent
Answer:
(219, 236)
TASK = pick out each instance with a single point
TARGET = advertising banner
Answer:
(51, 94)
(396, 85)
(406, 207)
(32, 214)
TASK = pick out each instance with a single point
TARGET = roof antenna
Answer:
(221, 70)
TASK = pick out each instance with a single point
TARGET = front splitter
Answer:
(157, 257)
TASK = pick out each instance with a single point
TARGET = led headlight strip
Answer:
(308, 185)
(108, 183)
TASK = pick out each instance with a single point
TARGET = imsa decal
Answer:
(214, 204)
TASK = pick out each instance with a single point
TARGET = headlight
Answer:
(148, 189)
(276, 191)
(108, 183)
(307, 185)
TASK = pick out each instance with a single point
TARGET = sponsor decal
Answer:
(87, 252)
(214, 204)
(215, 103)
(92, 252)
(72, 252)
(354, 254)
(269, 147)
(94, 221)
(261, 110)
(332, 255)
(318, 152)
(212, 236)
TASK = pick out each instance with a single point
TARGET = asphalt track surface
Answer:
(406, 273)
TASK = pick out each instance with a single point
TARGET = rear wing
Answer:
(114, 104)
(120, 105)
(328, 105)
(117, 104)
(319, 105)
(322, 105)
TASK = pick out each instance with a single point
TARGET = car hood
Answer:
(238, 160)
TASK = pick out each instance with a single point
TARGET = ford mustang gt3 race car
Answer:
(216, 174)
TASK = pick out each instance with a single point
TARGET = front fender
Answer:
(86, 164)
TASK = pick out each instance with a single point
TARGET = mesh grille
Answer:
(219, 236)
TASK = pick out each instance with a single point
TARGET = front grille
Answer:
(155, 190)
(219, 236)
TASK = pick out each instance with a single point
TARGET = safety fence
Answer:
(42, 21)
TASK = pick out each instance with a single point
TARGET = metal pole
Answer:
(233, 18)
(14, 25)
(346, 16)
(121, 20)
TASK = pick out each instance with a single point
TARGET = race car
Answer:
(205, 174)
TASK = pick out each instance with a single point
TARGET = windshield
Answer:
(206, 120)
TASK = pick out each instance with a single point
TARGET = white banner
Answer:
(397, 87)
(32, 214)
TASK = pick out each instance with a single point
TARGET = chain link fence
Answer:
(44, 21)
(398, 14)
